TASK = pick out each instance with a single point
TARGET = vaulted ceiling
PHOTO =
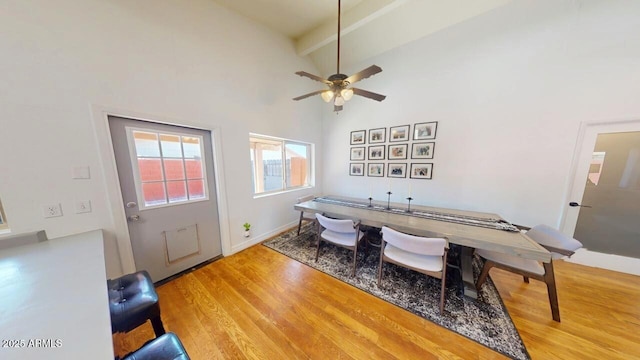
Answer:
(369, 27)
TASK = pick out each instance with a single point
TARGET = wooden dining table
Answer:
(469, 229)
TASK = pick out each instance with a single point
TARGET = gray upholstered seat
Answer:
(553, 240)
(422, 254)
(344, 233)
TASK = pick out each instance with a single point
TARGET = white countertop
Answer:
(53, 300)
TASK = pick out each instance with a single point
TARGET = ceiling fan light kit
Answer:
(339, 90)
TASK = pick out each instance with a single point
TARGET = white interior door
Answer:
(168, 188)
(604, 203)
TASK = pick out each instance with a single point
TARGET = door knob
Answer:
(133, 218)
(574, 204)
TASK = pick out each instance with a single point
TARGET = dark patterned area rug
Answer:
(484, 320)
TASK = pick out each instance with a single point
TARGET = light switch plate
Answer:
(83, 206)
(81, 172)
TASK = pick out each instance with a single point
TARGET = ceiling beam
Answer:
(356, 17)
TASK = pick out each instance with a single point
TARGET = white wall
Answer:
(193, 62)
(509, 90)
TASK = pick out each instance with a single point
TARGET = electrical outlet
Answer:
(83, 206)
(51, 210)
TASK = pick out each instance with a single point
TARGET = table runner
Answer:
(491, 223)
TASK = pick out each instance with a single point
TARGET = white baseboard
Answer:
(260, 238)
(619, 263)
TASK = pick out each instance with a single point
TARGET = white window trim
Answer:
(133, 157)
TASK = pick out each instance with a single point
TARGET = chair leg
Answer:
(158, 328)
(550, 280)
(526, 279)
(300, 222)
(319, 239)
(355, 253)
(381, 262)
(443, 281)
(488, 264)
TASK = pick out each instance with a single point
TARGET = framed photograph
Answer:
(356, 169)
(376, 169)
(422, 150)
(358, 137)
(398, 152)
(425, 131)
(377, 135)
(421, 171)
(376, 152)
(357, 153)
(397, 170)
(399, 133)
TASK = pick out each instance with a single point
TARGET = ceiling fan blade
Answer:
(309, 94)
(369, 94)
(312, 77)
(337, 108)
(370, 71)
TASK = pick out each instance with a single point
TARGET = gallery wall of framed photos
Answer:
(395, 152)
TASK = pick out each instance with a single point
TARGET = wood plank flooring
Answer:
(259, 304)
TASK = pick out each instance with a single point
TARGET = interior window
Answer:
(279, 164)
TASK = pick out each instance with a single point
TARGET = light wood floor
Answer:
(259, 304)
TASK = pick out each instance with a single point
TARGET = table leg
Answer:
(467, 272)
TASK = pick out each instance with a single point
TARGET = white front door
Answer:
(168, 188)
(603, 210)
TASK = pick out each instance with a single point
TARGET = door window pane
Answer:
(150, 169)
(173, 169)
(192, 148)
(146, 144)
(177, 191)
(196, 189)
(154, 193)
(194, 169)
(171, 146)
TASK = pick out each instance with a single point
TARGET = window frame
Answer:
(282, 142)
(133, 157)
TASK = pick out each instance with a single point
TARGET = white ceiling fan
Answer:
(339, 84)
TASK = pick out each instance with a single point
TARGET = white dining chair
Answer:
(422, 254)
(344, 233)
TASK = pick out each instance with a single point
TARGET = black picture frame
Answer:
(375, 169)
(358, 137)
(356, 169)
(399, 133)
(423, 150)
(358, 153)
(397, 170)
(425, 130)
(377, 135)
(397, 152)
(376, 152)
(421, 171)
